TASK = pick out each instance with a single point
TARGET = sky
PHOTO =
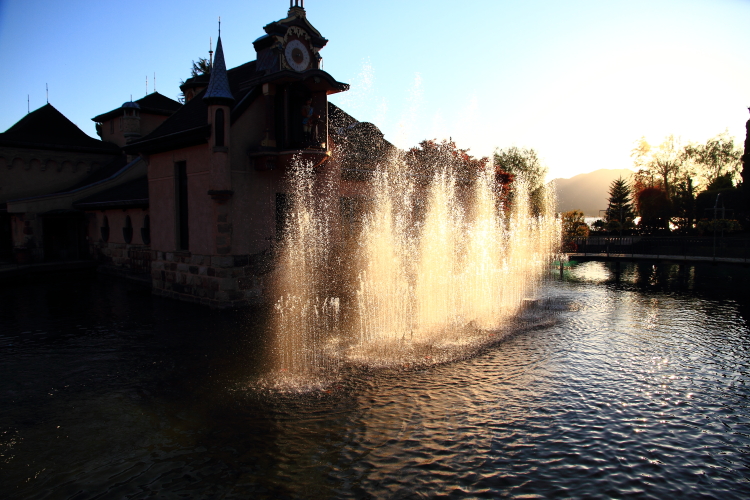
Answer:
(578, 81)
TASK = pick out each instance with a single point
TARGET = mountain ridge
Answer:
(588, 192)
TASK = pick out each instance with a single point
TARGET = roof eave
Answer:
(107, 116)
(4, 141)
(287, 75)
(102, 205)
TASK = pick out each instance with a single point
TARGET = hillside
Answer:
(587, 192)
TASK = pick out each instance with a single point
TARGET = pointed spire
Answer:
(218, 91)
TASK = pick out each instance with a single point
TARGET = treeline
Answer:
(513, 167)
(693, 188)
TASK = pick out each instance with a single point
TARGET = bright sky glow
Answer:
(580, 81)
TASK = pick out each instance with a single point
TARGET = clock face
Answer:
(297, 55)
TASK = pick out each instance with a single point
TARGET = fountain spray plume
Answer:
(306, 315)
(444, 257)
(385, 263)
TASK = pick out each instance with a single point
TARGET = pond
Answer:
(629, 385)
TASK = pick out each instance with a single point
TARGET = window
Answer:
(219, 128)
(146, 231)
(127, 230)
(181, 205)
(105, 229)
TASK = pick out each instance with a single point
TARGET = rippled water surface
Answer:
(629, 387)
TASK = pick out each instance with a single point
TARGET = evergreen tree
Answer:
(620, 212)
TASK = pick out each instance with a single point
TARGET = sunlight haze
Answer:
(578, 81)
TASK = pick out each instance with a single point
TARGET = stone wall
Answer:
(217, 281)
(135, 259)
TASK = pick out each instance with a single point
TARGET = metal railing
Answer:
(685, 246)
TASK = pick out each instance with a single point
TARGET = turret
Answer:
(131, 121)
(219, 99)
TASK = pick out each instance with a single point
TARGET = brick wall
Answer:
(219, 281)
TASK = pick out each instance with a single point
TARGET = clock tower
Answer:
(295, 89)
(290, 44)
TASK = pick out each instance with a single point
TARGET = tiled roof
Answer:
(218, 86)
(361, 145)
(243, 81)
(194, 113)
(196, 81)
(47, 128)
(238, 76)
(338, 118)
(129, 194)
(154, 103)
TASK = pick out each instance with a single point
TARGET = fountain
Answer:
(438, 267)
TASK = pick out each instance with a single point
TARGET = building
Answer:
(196, 193)
(47, 164)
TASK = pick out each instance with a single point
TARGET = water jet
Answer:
(436, 264)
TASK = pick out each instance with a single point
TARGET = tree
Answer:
(431, 156)
(619, 213)
(670, 176)
(683, 204)
(573, 228)
(524, 164)
(717, 157)
(655, 209)
(202, 67)
(720, 200)
(668, 161)
(662, 166)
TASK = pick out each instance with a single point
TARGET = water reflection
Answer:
(636, 386)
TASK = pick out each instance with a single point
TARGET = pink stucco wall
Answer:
(161, 175)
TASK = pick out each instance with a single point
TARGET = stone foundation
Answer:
(134, 258)
(217, 281)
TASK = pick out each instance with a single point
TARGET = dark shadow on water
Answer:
(108, 391)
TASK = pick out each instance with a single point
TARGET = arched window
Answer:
(127, 231)
(219, 128)
(146, 231)
(105, 229)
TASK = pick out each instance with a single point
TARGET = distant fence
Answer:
(706, 247)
